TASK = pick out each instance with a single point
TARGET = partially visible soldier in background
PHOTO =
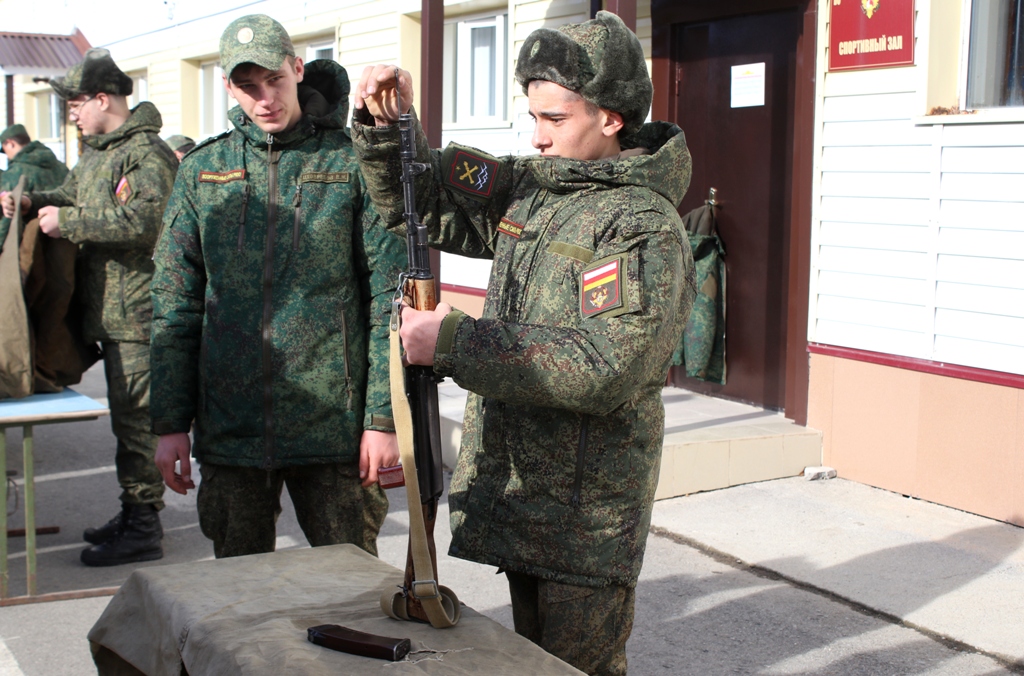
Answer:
(31, 159)
(112, 204)
(180, 145)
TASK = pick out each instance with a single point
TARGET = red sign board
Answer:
(871, 34)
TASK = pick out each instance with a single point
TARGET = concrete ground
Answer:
(779, 577)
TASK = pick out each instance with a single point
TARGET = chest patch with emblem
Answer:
(510, 228)
(472, 174)
(601, 287)
(221, 177)
(124, 190)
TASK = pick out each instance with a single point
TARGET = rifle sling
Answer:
(440, 603)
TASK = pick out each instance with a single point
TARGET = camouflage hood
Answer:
(144, 117)
(664, 167)
(38, 155)
(323, 96)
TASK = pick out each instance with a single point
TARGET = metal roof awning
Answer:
(40, 54)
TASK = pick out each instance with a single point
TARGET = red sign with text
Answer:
(871, 34)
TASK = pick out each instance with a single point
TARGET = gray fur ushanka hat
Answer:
(600, 59)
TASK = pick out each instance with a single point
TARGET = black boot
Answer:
(97, 536)
(138, 540)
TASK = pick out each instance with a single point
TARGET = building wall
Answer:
(946, 440)
(918, 251)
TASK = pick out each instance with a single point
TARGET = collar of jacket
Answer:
(323, 93)
(665, 169)
(36, 154)
(144, 117)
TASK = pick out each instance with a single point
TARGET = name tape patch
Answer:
(510, 228)
(325, 177)
(123, 191)
(221, 177)
(601, 288)
(472, 174)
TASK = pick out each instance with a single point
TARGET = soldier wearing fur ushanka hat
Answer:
(592, 281)
(601, 60)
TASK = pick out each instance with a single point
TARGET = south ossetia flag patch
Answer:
(123, 190)
(601, 286)
(469, 171)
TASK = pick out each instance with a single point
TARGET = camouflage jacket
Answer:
(591, 284)
(272, 290)
(111, 204)
(41, 169)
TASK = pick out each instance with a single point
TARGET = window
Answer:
(140, 89)
(49, 115)
(324, 50)
(476, 70)
(995, 72)
(213, 101)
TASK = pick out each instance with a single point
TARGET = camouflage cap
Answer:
(12, 131)
(255, 38)
(179, 141)
(601, 59)
(95, 73)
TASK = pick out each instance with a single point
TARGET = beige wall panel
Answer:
(1017, 472)
(820, 402)
(875, 425)
(549, 10)
(468, 303)
(968, 457)
(877, 81)
(189, 77)
(20, 114)
(386, 38)
(946, 440)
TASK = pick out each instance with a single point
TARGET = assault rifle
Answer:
(416, 288)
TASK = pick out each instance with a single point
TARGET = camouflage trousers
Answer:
(584, 626)
(239, 506)
(126, 366)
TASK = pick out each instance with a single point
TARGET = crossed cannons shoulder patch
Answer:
(469, 171)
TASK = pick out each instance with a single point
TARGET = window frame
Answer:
(966, 25)
(219, 95)
(460, 71)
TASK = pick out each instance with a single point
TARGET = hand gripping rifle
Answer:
(417, 422)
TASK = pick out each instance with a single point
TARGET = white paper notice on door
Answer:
(748, 85)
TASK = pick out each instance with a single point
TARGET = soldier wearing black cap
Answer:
(591, 284)
(112, 204)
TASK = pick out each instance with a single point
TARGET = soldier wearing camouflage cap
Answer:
(591, 284)
(31, 159)
(111, 205)
(180, 144)
(271, 298)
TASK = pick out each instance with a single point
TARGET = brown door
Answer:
(746, 154)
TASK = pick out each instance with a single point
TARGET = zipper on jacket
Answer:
(297, 203)
(577, 483)
(348, 375)
(268, 304)
(241, 219)
(124, 311)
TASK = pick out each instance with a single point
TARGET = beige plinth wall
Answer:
(954, 442)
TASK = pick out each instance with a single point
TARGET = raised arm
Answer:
(461, 200)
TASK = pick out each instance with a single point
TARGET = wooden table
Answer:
(37, 409)
(249, 615)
